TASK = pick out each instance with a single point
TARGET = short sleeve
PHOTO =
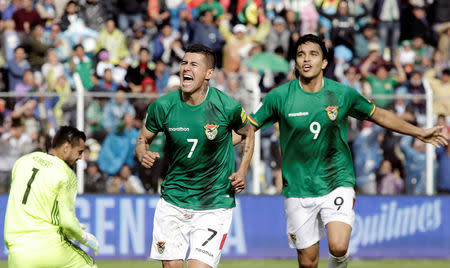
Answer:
(238, 117)
(155, 117)
(267, 112)
(360, 107)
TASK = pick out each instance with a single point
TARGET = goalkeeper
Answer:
(40, 217)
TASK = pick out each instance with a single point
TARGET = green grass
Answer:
(280, 263)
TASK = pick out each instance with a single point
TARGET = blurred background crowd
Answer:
(381, 48)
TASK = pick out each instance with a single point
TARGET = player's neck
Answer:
(311, 85)
(196, 97)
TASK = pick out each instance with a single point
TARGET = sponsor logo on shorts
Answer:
(211, 131)
(179, 129)
(332, 112)
(293, 237)
(161, 247)
(204, 252)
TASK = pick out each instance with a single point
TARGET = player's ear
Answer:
(324, 64)
(209, 74)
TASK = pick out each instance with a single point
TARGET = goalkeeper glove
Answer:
(90, 241)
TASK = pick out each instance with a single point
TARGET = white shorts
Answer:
(306, 217)
(175, 230)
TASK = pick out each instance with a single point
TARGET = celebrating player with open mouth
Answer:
(316, 159)
(198, 192)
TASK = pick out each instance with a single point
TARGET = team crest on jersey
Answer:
(161, 247)
(293, 237)
(332, 112)
(211, 131)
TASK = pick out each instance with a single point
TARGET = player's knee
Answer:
(338, 249)
(172, 264)
(308, 262)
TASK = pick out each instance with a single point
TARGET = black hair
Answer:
(19, 47)
(205, 51)
(77, 46)
(68, 134)
(144, 49)
(313, 39)
(446, 71)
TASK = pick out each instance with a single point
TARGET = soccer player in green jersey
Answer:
(318, 177)
(40, 216)
(198, 193)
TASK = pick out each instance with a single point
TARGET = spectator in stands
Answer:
(103, 63)
(47, 12)
(115, 109)
(70, 15)
(94, 13)
(52, 69)
(38, 47)
(8, 12)
(440, 87)
(26, 114)
(113, 40)
(136, 73)
(106, 83)
(443, 32)
(382, 82)
(94, 180)
(164, 41)
(414, 85)
(157, 11)
(129, 13)
(415, 23)
(367, 157)
(387, 13)
(120, 71)
(61, 86)
(309, 18)
(161, 76)
(27, 85)
(212, 5)
(205, 31)
(14, 143)
(390, 182)
(443, 157)
(118, 147)
(26, 17)
(62, 47)
(343, 23)
(124, 183)
(17, 67)
(363, 39)
(415, 160)
(10, 39)
(278, 36)
(352, 78)
(93, 115)
(82, 64)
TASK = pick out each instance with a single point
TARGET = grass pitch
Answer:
(280, 263)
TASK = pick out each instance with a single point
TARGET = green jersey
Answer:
(316, 158)
(200, 148)
(41, 203)
(383, 87)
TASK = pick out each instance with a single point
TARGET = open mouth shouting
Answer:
(188, 80)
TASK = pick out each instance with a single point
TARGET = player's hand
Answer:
(434, 136)
(237, 181)
(149, 159)
(90, 241)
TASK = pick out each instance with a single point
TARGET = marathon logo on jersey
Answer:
(161, 247)
(179, 129)
(293, 237)
(211, 131)
(332, 112)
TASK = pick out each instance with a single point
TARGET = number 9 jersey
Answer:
(316, 158)
(200, 149)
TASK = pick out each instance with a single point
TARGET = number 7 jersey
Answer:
(316, 158)
(200, 148)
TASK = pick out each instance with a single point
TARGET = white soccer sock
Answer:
(338, 262)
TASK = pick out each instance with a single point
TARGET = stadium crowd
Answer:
(379, 47)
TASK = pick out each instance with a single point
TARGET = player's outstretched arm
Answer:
(145, 157)
(238, 178)
(391, 121)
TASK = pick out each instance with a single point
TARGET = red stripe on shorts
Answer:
(223, 241)
(354, 200)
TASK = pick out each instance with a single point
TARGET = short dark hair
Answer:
(68, 134)
(19, 47)
(313, 39)
(205, 51)
(144, 49)
(77, 46)
(446, 71)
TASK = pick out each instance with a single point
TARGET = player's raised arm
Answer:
(247, 135)
(391, 121)
(145, 157)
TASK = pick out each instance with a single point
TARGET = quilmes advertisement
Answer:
(385, 227)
